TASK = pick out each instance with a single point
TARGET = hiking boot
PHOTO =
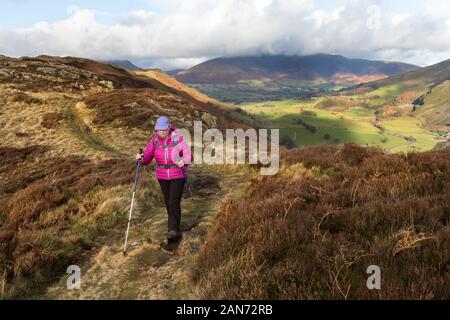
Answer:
(173, 236)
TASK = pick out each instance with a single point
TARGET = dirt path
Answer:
(79, 126)
(148, 272)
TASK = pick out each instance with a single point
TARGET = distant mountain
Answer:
(126, 64)
(174, 72)
(320, 68)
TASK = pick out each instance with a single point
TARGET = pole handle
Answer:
(141, 151)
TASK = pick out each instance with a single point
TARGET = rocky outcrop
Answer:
(33, 74)
(418, 102)
(442, 145)
(209, 120)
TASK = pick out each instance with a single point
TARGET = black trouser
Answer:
(173, 192)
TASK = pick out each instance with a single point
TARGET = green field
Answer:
(410, 126)
(353, 124)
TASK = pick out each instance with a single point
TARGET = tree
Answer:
(288, 142)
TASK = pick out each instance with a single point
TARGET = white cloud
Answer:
(138, 18)
(187, 32)
(170, 64)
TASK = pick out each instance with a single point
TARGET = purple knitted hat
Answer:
(162, 123)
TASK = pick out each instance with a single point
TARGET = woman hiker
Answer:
(172, 155)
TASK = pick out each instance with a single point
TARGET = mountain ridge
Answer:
(429, 75)
(319, 67)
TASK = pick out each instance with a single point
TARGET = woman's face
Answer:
(162, 133)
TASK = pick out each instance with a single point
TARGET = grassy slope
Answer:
(173, 83)
(436, 111)
(432, 82)
(411, 127)
(415, 80)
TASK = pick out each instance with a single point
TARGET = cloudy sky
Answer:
(173, 34)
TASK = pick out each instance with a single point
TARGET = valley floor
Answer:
(308, 125)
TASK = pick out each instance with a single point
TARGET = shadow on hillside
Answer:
(309, 130)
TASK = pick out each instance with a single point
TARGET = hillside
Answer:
(70, 128)
(426, 92)
(320, 68)
(312, 231)
(166, 79)
(228, 115)
(420, 79)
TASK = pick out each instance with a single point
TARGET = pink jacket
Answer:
(167, 157)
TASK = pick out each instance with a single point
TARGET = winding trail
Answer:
(80, 127)
(149, 272)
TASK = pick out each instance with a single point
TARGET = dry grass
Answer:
(139, 108)
(53, 208)
(311, 231)
(51, 120)
(409, 239)
(173, 83)
(25, 98)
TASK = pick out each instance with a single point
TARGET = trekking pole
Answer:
(187, 183)
(132, 202)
